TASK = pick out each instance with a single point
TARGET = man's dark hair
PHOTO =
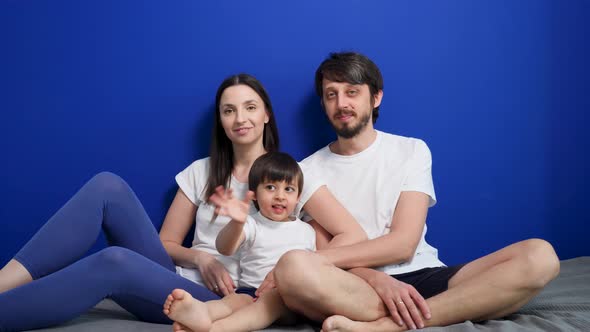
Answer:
(352, 68)
(275, 166)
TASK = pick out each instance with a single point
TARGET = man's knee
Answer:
(540, 263)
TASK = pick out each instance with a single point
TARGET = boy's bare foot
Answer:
(189, 313)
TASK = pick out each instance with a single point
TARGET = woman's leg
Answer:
(105, 202)
(137, 283)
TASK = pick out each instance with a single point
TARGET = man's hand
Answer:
(227, 205)
(267, 284)
(403, 301)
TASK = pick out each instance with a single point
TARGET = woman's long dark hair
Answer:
(221, 155)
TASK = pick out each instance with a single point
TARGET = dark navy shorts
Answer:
(246, 290)
(431, 280)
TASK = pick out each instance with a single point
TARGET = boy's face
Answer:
(277, 200)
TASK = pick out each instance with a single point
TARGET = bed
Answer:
(564, 305)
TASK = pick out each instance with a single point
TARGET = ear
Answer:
(266, 117)
(378, 97)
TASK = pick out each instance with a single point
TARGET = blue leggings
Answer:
(135, 270)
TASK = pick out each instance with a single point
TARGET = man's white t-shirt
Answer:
(266, 241)
(369, 185)
(192, 181)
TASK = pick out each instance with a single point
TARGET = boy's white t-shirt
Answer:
(369, 185)
(266, 241)
(192, 181)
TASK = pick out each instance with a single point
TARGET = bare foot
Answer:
(177, 327)
(12, 275)
(189, 313)
(339, 323)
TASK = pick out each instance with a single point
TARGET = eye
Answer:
(270, 187)
(330, 94)
(228, 111)
(251, 107)
(352, 92)
(290, 189)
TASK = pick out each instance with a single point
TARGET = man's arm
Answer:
(398, 246)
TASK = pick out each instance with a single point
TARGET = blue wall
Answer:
(498, 89)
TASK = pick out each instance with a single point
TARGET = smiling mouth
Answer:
(241, 131)
(278, 207)
(344, 116)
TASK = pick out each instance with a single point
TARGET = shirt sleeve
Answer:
(249, 233)
(311, 183)
(192, 180)
(419, 172)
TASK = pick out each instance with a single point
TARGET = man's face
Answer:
(348, 106)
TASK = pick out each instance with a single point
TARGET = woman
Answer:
(138, 270)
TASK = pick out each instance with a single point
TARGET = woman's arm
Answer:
(398, 246)
(178, 222)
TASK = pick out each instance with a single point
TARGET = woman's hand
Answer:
(404, 302)
(267, 284)
(214, 274)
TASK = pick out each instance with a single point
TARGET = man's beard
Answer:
(347, 131)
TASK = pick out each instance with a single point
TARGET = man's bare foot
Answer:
(177, 327)
(339, 323)
(188, 312)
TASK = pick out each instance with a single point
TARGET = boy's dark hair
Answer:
(275, 166)
(353, 68)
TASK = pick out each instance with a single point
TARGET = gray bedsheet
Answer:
(564, 305)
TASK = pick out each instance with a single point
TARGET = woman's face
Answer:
(243, 115)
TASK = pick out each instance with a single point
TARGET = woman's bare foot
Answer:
(188, 312)
(12, 275)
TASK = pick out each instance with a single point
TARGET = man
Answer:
(385, 181)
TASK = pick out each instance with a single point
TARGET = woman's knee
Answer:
(540, 262)
(108, 183)
(113, 258)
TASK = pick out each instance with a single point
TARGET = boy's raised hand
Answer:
(228, 205)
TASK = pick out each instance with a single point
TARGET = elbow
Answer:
(407, 253)
(224, 250)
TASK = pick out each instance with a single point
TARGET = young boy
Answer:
(275, 181)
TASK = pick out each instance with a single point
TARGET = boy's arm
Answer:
(230, 238)
(232, 235)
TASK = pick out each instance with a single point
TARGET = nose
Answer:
(280, 194)
(342, 102)
(240, 116)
